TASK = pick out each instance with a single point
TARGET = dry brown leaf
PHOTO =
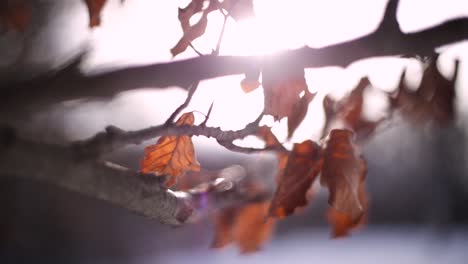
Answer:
(15, 17)
(433, 100)
(342, 222)
(343, 173)
(248, 227)
(94, 11)
(249, 85)
(185, 14)
(303, 166)
(172, 155)
(191, 33)
(271, 141)
(350, 111)
(282, 94)
(299, 112)
(224, 222)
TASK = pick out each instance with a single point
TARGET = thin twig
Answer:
(195, 49)
(190, 94)
(114, 138)
(221, 35)
(207, 115)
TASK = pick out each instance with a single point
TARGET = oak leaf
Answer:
(342, 222)
(94, 11)
(246, 226)
(350, 111)
(192, 32)
(282, 94)
(303, 166)
(433, 100)
(185, 14)
(282, 91)
(343, 173)
(171, 155)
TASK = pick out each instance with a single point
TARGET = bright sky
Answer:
(142, 32)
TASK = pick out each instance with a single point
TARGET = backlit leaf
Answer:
(171, 155)
(186, 13)
(433, 100)
(342, 222)
(350, 111)
(343, 173)
(94, 11)
(282, 91)
(304, 165)
(248, 227)
(299, 112)
(191, 33)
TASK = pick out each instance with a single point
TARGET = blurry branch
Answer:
(386, 40)
(144, 194)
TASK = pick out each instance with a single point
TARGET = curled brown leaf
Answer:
(343, 173)
(247, 226)
(303, 166)
(171, 155)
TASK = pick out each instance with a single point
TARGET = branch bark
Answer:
(386, 40)
(144, 194)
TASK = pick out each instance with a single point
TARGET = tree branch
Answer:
(144, 194)
(387, 40)
(114, 138)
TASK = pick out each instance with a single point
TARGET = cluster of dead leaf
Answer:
(337, 163)
(237, 9)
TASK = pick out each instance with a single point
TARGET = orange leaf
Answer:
(343, 172)
(249, 85)
(224, 221)
(341, 222)
(247, 226)
(304, 164)
(94, 10)
(171, 155)
(15, 16)
(250, 82)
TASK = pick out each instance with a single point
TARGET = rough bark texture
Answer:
(144, 194)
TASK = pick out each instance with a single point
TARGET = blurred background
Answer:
(417, 179)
